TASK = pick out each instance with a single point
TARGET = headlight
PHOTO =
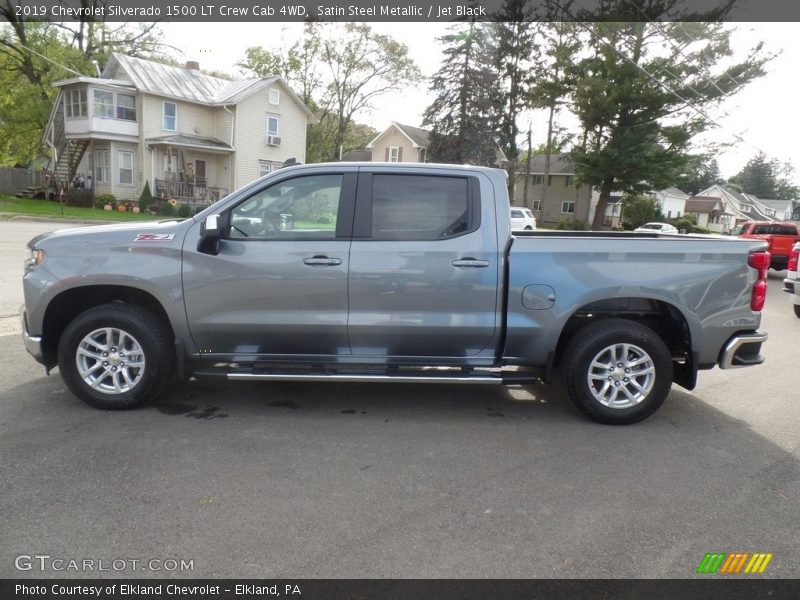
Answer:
(36, 258)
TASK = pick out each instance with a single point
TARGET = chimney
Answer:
(192, 65)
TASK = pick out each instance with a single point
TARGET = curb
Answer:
(58, 219)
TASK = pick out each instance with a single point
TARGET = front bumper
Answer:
(743, 350)
(33, 343)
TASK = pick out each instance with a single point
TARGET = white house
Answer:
(192, 136)
(672, 202)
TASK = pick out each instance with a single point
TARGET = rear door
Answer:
(424, 270)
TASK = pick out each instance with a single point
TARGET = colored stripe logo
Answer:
(734, 563)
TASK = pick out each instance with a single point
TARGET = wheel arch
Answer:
(663, 317)
(67, 305)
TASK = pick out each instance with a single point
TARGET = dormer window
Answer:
(170, 116)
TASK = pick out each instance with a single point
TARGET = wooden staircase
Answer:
(66, 154)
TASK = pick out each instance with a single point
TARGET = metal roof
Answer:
(191, 141)
(181, 83)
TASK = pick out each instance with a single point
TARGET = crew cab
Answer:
(386, 272)
(780, 238)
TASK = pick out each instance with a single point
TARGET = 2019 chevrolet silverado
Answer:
(387, 272)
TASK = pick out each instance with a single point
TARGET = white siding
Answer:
(394, 138)
(251, 134)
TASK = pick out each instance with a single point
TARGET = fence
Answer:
(15, 180)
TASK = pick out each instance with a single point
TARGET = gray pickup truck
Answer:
(386, 272)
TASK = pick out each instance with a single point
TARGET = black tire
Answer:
(153, 339)
(529, 228)
(587, 344)
(796, 308)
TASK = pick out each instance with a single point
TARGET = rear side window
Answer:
(784, 230)
(421, 207)
(517, 214)
(761, 230)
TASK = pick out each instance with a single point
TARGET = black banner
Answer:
(232, 11)
(403, 589)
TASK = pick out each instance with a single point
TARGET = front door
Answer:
(278, 286)
(424, 271)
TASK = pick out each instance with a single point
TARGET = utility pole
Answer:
(525, 201)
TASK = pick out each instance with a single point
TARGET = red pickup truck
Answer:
(780, 237)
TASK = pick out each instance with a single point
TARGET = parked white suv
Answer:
(522, 219)
(792, 282)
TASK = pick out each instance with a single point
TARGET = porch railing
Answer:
(189, 192)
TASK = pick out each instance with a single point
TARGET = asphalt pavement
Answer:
(288, 480)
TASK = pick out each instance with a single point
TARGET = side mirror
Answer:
(209, 235)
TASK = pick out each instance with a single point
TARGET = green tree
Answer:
(34, 55)
(514, 45)
(701, 174)
(337, 71)
(767, 178)
(462, 114)
(638, 209)
(642, 95)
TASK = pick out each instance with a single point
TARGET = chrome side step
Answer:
(454, 377)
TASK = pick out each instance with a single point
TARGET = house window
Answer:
(538, 179)
(104, 104)
(170, 116)
(394, 153)
(272, 129)
(264, 168)
(126, 107)
(568, 181)
(125, 167)
(274, 97)
(101, 166)
(568, 207)
(537, 205)
(669, 214)
(549, 180)
(76, 103)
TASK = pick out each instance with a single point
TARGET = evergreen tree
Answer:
(767, 178)
(463, 111)
(642, 95)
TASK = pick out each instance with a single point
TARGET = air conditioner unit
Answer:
(273, 140)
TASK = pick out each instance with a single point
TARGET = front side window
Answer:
(126, 107)
(101, 166)
(301, 208)
(568, 207)
(420, 207)
(104, 104)
(170, 116)
(125, 167)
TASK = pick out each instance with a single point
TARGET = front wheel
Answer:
(617, 371)
(116, 356)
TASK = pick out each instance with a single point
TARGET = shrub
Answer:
(78, 197)
(571, 225)
(146, 199)
(104, 199)
(183, 211)
(166, 210)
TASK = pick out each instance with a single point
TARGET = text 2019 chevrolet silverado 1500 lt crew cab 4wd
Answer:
(381, 272)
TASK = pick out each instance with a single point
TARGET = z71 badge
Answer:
(154, 237)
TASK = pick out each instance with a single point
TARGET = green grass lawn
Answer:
(49, 208)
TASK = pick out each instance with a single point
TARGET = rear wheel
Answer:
(116, 356)
(617, 371)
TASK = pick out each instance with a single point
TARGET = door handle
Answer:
(322, 261)
(470, 262)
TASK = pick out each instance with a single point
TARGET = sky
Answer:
(761, 117)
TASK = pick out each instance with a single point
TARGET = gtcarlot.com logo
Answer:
(45, 562)
(735, 563)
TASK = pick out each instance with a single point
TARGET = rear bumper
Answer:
(788, 285)
(33, 343)
(743, 350)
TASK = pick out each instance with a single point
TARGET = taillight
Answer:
(760, 262)
(794, 258)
